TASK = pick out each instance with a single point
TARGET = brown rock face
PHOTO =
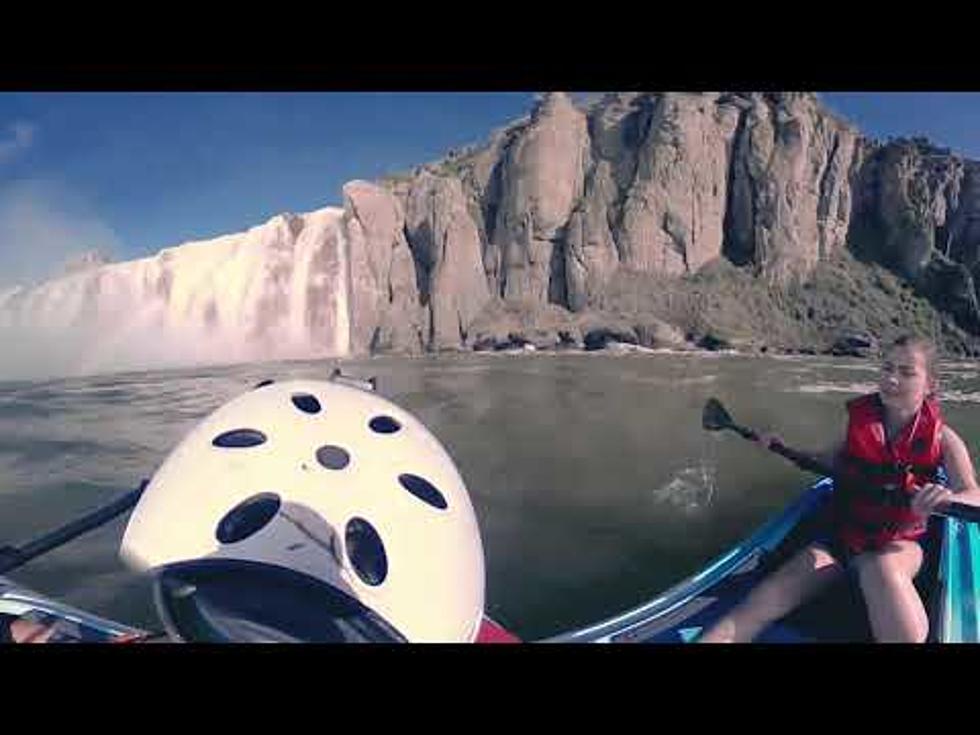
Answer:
(790, 185)
(447, 247)
(917, 212)
(384, 299)
(541, 181)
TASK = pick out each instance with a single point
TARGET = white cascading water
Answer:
(277, 291)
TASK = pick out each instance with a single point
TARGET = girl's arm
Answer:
(831, 454)
(828, 455)
(963, 480)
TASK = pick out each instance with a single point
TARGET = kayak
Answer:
(303, 565)
(72, 625)
(949, 584)
(68, 624)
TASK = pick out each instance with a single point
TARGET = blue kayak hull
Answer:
(70, 625)
(949, 584)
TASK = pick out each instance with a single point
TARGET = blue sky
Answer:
(130, 173)
(950, 119)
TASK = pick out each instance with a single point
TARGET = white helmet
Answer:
(330, 482)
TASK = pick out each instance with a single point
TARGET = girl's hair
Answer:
(923, 344)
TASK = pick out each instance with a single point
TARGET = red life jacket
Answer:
(878, 477)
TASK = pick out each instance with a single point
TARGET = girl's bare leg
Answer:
(799, 579)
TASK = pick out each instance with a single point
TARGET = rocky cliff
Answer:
(568, 201)
(656, 218)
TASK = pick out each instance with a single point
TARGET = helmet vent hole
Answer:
(423, 490)
(306, 402)
(384, 425)
(366, 552)
(333, 458)
(247, 518)
(239, 438)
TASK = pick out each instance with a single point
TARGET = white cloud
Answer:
(17, 137)
(42, 226)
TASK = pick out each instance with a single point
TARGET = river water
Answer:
(595, 486)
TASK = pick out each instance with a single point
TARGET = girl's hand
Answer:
(766, 440)
(930, 498)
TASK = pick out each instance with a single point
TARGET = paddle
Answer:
(12, 557)
(716, 418)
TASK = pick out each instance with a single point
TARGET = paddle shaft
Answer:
(801, 460)
(964, 512)
(12, 557)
